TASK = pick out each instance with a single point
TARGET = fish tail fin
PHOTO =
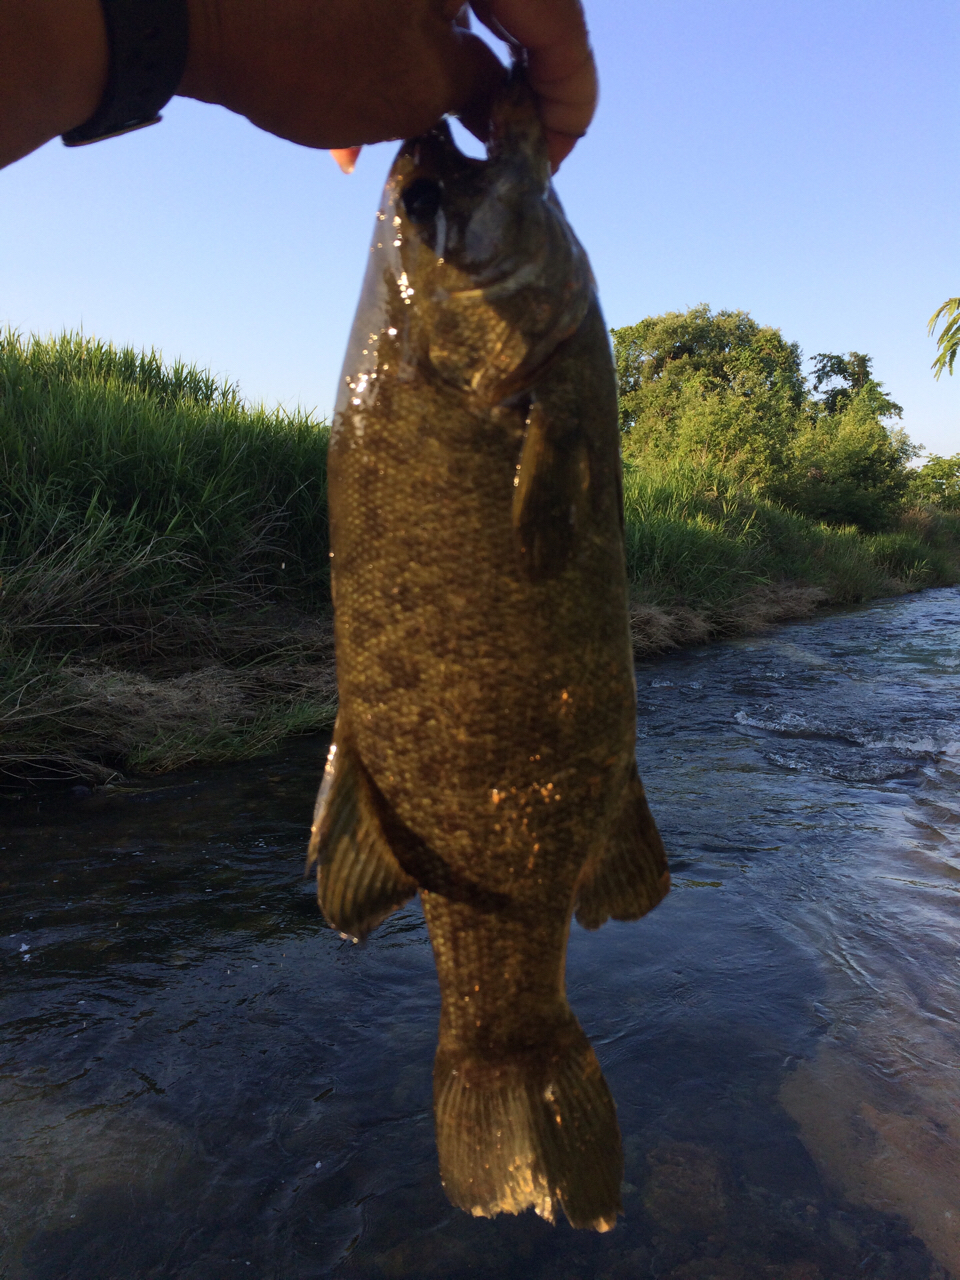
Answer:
(536, 1129)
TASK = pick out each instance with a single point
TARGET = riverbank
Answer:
(708, 559)
(163, 556)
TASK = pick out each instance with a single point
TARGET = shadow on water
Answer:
(199, 1080)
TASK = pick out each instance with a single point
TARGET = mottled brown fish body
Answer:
(484, 750)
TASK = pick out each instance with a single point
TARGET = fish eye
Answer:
(422, 199)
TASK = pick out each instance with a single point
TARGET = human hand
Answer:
(560, 64)
(335, 73)
(353, 71)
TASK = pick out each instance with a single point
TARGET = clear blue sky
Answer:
(797, 160)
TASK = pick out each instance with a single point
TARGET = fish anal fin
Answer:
(551, 492)
(531, 1130)
(359, 879)
(629, 876)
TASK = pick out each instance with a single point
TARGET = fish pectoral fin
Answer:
(359, 880)
(630, 876)
(551, 493)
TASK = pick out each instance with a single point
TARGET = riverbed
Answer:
(199, 1080)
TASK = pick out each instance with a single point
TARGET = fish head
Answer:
(483, 276)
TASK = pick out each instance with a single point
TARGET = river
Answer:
(199, 1080)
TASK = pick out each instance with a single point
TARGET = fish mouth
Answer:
(512, 134)
(436, 181)
(435, 155)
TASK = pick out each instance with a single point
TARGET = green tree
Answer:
(938, 482)
(719, 393)
(949, 340)
(848, 466)
(841, 378)
(848, 461)
(700, 384)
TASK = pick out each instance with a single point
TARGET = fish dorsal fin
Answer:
(629, 876)
(359, 880)
(551, 491)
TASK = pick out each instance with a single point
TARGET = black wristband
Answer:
(147, 43)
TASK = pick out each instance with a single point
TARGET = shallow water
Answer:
(199, 1080)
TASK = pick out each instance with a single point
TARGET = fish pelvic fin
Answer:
(630, 876)
(536, 1129)
(359, 880)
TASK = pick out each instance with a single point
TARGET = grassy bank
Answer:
(163, 556)
(708, 557)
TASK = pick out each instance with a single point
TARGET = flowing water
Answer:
(199, 1080)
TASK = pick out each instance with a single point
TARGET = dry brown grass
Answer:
(655, 629)
(243, 689)
(170, 694)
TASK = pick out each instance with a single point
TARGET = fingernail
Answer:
(346, 158)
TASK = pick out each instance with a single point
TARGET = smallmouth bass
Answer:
(483, 754)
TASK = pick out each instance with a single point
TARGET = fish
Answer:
(483, 751)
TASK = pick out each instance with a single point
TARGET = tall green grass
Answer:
(700, 539)
(134, 492)
(155, 529)
(149, 520)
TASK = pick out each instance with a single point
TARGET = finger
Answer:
(476, 73)
(559, 146)
(559, 62)
(346, 158)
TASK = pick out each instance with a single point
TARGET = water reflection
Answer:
(199, 1080)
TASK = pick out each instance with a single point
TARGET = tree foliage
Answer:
(949, 340)
(841, 378)
(718, 385)
(720, 390)
(938, 482)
